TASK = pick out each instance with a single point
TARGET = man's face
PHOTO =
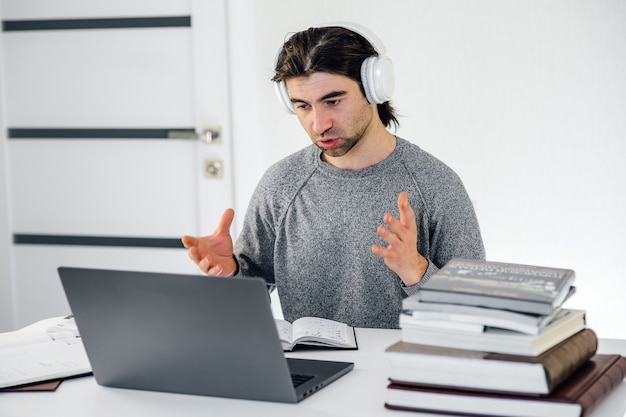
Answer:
(332, 109)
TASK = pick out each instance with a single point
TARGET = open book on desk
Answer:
(315, 331)
(46, 350)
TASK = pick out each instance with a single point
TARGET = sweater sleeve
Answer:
(430, 271)
(450, 226)
(454, 229)
(255, 245)
(254, 248)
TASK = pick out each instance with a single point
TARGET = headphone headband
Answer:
(369, 36)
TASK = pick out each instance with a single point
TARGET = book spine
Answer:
(569, 355)
(603, 386)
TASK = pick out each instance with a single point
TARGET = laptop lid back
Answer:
(179, 333)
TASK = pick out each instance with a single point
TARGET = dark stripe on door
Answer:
(107, 23)
(79, 133)
(115, 241)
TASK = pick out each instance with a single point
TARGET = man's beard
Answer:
(344, 144)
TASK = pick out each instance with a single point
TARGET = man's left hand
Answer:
(401, 254)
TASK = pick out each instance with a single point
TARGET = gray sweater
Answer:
(310, 227)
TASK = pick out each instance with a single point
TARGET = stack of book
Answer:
(491, 338)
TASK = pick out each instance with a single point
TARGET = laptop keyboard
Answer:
(299, 379)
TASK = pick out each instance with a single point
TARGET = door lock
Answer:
(213, 168)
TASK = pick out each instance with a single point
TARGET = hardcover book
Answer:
(524, 288)
(576, 397)
(566, 323)
(415, 364)
(459, 316)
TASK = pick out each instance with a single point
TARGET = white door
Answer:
(106, 108)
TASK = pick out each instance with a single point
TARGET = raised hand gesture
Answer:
(214, 253)
(401, 254)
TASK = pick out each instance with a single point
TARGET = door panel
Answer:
(100, 187)
(38, 291)
(134, 77)
(103, 100)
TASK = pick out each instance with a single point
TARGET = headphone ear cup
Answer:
(283, 95)
(378, 79)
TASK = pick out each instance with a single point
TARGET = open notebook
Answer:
(188, 334)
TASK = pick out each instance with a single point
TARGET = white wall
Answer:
(525, 100)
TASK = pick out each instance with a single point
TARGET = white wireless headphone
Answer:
(376, 71)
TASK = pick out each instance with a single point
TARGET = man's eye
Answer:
(331, 104)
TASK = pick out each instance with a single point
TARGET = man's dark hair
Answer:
(335, 50)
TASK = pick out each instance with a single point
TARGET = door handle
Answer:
(210, 135)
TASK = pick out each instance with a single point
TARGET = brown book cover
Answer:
(576, 397)
(429, 365)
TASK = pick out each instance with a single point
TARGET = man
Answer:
(349, 226)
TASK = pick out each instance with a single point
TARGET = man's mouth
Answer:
(328, 143)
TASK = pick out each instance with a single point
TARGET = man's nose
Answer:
(321, 121)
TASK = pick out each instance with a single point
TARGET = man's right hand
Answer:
(214, 253)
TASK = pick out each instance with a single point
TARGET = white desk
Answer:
(362, 392)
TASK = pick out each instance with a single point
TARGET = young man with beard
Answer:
(350, 225)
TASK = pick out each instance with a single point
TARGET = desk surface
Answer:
(362, 392)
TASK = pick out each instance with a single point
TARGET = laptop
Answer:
(188, 334)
